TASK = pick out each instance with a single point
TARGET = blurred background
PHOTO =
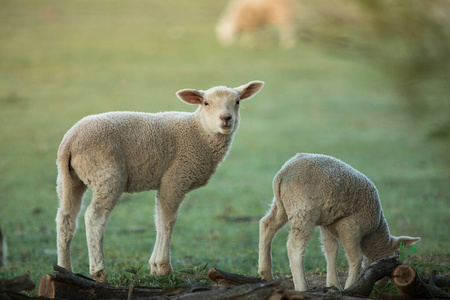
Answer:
(364, 81)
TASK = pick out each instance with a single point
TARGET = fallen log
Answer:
(370, 275)
(437, 280)
(10, 288)
(408, 283)
(248, 287)
(16, 284)
(230, 279)
(67, 285)
(260, 291)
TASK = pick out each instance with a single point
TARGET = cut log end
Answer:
(410, 284)
(46, 288)
(403, 275)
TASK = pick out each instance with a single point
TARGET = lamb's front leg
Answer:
(354, 255)
(167, 204)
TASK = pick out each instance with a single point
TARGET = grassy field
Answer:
(61, 61)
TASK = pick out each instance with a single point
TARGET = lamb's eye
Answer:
(206, 103)
(237, 102)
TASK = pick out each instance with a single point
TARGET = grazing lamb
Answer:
(317, 190)
(116, 152)
(245, 16)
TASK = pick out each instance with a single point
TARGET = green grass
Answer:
(60, 61)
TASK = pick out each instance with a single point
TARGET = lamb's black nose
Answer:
(226, 118)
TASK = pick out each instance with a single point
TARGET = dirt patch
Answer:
(317, 281)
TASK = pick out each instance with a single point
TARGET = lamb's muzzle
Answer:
(226, 118)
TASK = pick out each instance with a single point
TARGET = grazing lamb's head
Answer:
(375, 247)
(219, 106)
(395, 244)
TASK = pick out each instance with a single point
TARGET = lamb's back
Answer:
(325, 189)
(142, 145)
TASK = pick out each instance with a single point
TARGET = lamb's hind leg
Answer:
(97, 213)
(66, 221)
(330, 248)
(268, 227)
(296, 247)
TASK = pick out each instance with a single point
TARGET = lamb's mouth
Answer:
(226, 128)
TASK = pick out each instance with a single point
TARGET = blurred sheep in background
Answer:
(244, 17)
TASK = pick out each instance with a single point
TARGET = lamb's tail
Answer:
(65, 179)
(277, 183)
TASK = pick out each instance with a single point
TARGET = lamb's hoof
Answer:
(160, 269)
(332, 290)
(100, 276)
(267, 276)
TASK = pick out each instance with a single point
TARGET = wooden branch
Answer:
(439, 281)
(230, 279)
(262, 290)
(65, 284)
(9, 288)
(248, 287)
(409, 284)
(16, 284)
(371, 274)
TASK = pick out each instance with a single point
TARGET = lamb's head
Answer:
(378, 246)
(393, 249)
(219, 106)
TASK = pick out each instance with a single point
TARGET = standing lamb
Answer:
(318, 190)
(116, 152)
(245, 16)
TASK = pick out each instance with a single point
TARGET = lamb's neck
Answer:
(377, 245)
(219, 145)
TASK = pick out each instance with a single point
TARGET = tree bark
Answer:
(9, 288)
(371, 274)
(230, 279)
(410, 284)
(65, 284)
(248, 287)
(439, 281)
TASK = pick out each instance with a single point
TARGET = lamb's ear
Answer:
(191, 96)
(250, 89)
(396, 240)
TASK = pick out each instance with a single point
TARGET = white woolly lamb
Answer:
(245, 16)
(116, 152)
(318, 190)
